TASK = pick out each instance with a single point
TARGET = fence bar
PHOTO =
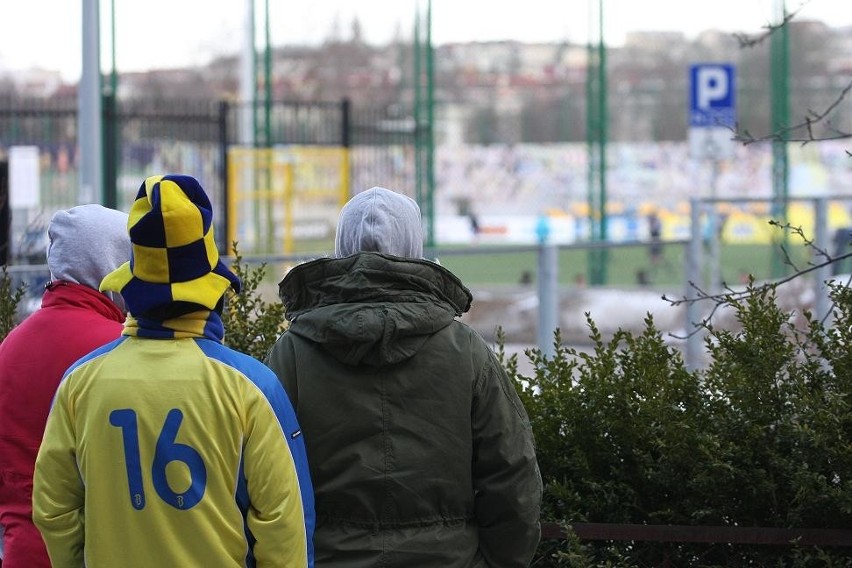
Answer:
(225, 217)
(822, 305)
(694, 261)
(697, 534)
(5, 214)
(548, 299)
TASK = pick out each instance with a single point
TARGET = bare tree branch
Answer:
(731, 296)
(746, 40)
(807, 124)
(804, 132)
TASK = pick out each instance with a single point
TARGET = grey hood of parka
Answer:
(379, 220)
(371, 308)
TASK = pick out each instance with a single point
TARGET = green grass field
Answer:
(623, 266)
(484, 265)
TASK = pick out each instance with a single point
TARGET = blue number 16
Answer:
(167, 451)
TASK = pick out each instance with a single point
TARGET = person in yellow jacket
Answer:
(164, 447)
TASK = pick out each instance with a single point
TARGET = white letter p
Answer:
(712, 85)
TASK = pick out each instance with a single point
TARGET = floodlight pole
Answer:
(248, 79)
(424, 119)
(430, 114)
(113, 71)
(418, 102)
(89, 109)
(596, 141)
(780, 95)
(267, 79)
(111, 137)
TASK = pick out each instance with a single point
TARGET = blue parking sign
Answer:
(711, 95)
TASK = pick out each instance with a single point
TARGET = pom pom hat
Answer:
(174, 256)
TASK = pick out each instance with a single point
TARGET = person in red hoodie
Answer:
(86, 243)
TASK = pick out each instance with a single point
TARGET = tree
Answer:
(810, 58)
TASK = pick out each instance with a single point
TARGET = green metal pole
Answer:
(591, 150)
(267, 81)
(780, 95)
(591, 156)
(418, 126)
(114, 75)
(596, 140)
(111, 137)
(255, 113)
(117, 124)
(602, 143)
(267, 129)
(430, 141)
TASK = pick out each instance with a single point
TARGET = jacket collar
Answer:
(61, 293)
(369, 277)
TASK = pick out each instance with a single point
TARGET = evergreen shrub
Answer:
(251, 323)
(10, 298)
(762, 437)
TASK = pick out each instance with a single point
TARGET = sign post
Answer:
(712, 120)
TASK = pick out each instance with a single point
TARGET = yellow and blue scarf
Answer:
(203, 323)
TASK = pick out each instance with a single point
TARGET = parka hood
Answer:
(371, 308)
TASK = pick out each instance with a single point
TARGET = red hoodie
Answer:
(73, 320)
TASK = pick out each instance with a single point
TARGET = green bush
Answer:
(760, 438)
(627, 434)
(9, 300)
(251, 324)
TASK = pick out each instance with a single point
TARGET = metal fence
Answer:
(666, 540)
(145, 137)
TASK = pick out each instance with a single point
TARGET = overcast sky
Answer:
(175, 33)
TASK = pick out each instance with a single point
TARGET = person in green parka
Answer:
(419, 448)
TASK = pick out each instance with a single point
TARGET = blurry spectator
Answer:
(420, 450)
(842, 240)
(655, 231)
(165, 447)
(542, 228)
(85, 243)
(474, 224)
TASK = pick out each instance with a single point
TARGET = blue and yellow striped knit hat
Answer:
(174, 256)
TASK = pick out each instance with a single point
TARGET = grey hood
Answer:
(86, 243)
(380, 220)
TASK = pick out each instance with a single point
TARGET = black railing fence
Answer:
(145, 137)
(671, 546)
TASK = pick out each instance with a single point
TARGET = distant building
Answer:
(509, 91)
(36, 83)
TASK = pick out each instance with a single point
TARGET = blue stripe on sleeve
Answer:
(267, 382)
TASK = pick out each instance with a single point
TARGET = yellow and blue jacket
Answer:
(173, 452)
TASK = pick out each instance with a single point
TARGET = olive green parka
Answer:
(420, 451)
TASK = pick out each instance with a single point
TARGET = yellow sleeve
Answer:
(58, 490)
(275, 515)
